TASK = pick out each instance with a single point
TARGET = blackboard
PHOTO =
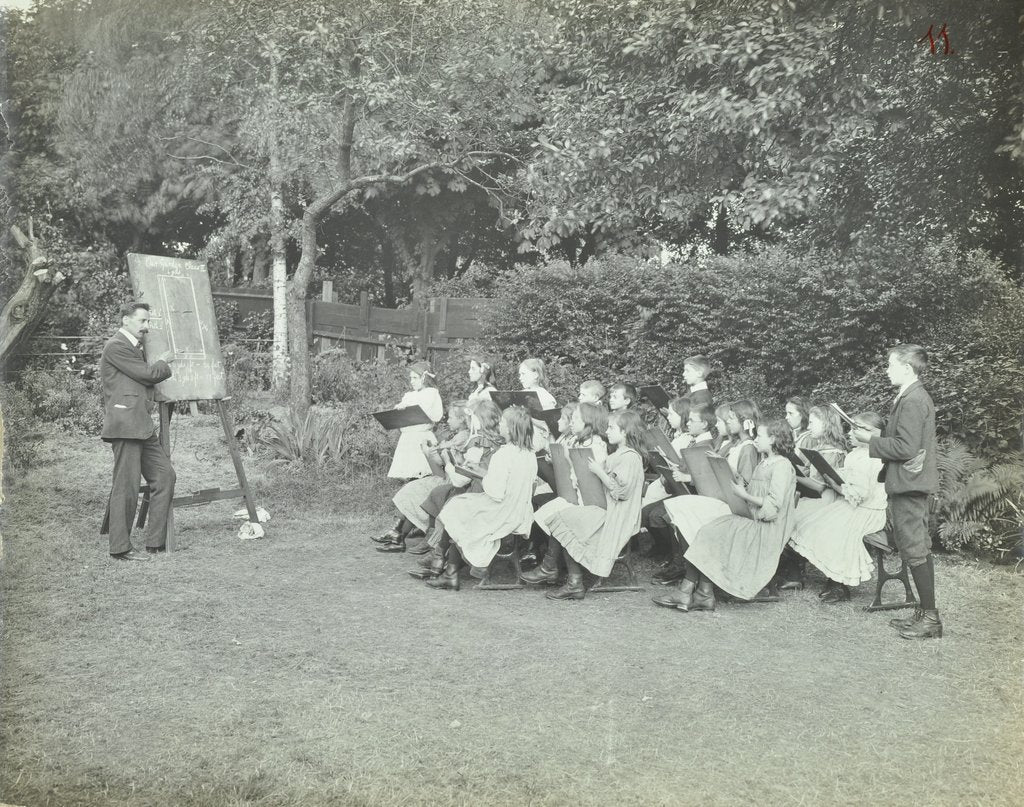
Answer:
(181, 319)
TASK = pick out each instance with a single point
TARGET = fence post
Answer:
(442, 324)
(364, 311)
(327, 291)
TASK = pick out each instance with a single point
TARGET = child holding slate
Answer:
(475, 523)
(739, 554)
(481, 376)
(831, 537)
(593, 536)
(484, 420)
(409, 462)
(588, 425)
(411, 495)
(826, 437)
(655, 518)
(678, 420)
(689, 513)
(533, 377)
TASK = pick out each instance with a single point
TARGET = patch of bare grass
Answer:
(307, 669)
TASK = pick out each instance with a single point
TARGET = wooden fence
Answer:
(366, 331)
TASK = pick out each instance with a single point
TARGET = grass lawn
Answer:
(307, 669)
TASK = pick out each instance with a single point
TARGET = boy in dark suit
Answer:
(128, 384)
(907, 447)
(695, 374)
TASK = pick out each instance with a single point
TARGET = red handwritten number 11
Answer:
(942, 35)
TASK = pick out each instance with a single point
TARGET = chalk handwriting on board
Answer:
(182, 319)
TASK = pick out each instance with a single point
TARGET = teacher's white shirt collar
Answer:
(131, 338)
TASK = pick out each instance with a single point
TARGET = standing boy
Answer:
(695, 375)
(128, 384)
(907, 447)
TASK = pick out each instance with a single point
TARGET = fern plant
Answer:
(978, 504)
(336, 436)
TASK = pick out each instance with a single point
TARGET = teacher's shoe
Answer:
(928, 627)
(398, 546)
(131, 554)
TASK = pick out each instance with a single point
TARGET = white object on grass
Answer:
(248, 531)
(261, 514)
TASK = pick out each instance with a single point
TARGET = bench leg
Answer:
(884, 576)
(488, 584)
(631, 583)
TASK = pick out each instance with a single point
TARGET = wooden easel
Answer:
(206, 495)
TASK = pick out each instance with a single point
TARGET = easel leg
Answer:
(236, 458)
(166, 409)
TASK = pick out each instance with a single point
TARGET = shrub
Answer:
(247, 371)
(70, 400)
(778, 324)
(20, 431)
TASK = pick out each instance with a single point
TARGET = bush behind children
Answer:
(467, 491)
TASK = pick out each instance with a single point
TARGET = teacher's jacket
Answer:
(128, 385)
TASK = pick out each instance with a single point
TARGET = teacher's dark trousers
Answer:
(134, 459)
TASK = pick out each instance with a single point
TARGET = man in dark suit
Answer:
(908, 450)
(128, 385)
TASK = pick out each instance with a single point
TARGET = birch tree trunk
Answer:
(279, 268)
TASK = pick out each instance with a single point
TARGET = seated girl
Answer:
(411, 494)
(689, 513)
(409, 461)
(481, 376)
(825, 435)
(486, 439)
(797, 415)
(678, 416)
(737, 553)
(831, 537)
(473, 525)
(654, 517)
(587, 427)
(592, 536)
(532, 376)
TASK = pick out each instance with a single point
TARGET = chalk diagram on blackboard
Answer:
(186, 332)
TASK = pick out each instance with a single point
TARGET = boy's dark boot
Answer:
(907, 621)
(928, 627)
(572, 590)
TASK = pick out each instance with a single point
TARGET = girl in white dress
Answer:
(409, 461)
(832, 537)
(473, 524)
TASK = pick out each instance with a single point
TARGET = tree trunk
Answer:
(279, 367)
(24, 310)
